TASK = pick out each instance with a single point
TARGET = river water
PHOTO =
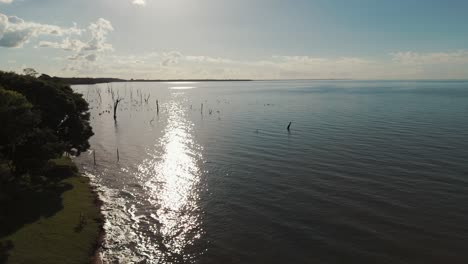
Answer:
(370, 171)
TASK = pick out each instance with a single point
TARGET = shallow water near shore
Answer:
(370, 172)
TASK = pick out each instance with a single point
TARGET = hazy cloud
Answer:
(3, 24)
(203, 59)
(67, 44)
(171, 58)
(416, 58)
(175, 65)
(91, 57)
(15, 19)
(76, 57)
(6, 1)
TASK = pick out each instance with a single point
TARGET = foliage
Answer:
(47, 213)
(45, 119)
(30, 72)
(17, 119)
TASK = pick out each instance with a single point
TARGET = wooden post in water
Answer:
(94, 157)
(289, 126)
(201, 111)
(118, 156)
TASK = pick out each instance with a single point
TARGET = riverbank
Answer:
(58, 223)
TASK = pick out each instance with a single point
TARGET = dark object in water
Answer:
(116, 104)
(157, 107)
(289, 126)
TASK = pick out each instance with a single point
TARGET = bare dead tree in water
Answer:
(116, 101)
(141, 98)
(157, 107)
(116, 104)
(98, 92)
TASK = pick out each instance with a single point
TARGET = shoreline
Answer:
(96, 256)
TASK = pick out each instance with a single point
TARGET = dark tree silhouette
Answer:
(30, 72)
(56, 118)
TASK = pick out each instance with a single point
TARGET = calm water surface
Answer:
(371, 172)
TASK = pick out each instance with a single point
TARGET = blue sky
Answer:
(260, 39)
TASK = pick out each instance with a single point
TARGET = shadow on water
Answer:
(21, 206)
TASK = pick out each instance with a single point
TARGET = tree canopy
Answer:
(41, 119)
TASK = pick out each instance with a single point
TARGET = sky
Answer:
(253, 39)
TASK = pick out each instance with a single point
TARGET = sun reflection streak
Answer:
(182, 87)
(174, 185)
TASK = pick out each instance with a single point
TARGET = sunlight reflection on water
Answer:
(173, 184)
(181, 87)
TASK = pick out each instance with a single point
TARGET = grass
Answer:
(53, 224)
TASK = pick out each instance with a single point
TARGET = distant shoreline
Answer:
(90, 80)
(77, 80)
(83, 81)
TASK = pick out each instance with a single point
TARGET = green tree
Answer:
(61, 109)
(17, 119)
(55, 120)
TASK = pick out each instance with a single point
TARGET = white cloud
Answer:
(98, 42)
(99, 31)
(85, 52)
(6, 1)
(139, 2)
(14, 31)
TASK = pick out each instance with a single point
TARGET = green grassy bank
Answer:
(54, 223)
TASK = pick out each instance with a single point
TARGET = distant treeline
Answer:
(78, 80)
